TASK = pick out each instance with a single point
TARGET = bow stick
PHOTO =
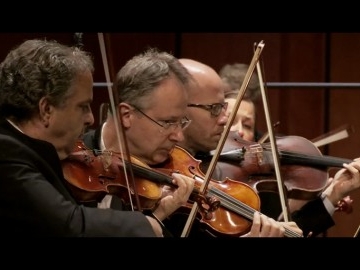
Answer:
(224, 135)
(274, 149)
(117, 125)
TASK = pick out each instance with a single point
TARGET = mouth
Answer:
(81, 135)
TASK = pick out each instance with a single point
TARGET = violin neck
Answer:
(152, 175)
(290, 158)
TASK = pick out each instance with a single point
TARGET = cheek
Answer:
(236, 125)
(146, 138)
(248, 136)
(75, 120)
(233, 128)
(200, 126)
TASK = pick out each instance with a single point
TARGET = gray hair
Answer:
(144, 73)
(36, 69)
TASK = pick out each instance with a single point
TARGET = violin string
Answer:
(241, 208)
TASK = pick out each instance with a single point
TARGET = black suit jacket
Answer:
(35, 201)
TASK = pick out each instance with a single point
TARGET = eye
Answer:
(85, 107)
(167, 123)
(248, 126)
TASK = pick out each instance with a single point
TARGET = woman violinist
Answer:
(316, 215)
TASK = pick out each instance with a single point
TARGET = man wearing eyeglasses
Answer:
(152, 92)
(207, 110)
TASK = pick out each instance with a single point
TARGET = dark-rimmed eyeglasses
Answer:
(214, 109)
(168, 126)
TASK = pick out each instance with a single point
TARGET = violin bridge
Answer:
(257, 150)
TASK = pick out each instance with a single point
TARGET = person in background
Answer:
(46, 90)
(245, 120)
(207, 109)
(152, 98)
(316, 215)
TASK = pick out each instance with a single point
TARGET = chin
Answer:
(62, 155)
(213, 146)
(160, 158)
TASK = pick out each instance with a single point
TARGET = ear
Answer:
(45, 110)
(124, 110)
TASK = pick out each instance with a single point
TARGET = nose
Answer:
(239, 129)
(223, 118)
(241, 133)
(177, 135)
(89, 119)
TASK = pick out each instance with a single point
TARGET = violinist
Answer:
(207, 110)
(46, 89)
(245, 119)
(316, 215)
(153, 104)
(208, 123)
(152, 93)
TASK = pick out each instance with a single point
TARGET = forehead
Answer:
(246, 107)
(207, 87)
(171, 93)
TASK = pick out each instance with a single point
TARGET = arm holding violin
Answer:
(316, 216)
(345, 180)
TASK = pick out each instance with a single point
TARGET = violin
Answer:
(91, 177)
(303, 167)
(238, 201)
(226, 209)
(92, 174)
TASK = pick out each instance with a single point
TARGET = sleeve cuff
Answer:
(328, 205)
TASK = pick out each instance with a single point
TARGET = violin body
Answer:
(304, 170)
(90, 177)
(303, 181)
(222, 221)
(238, 201)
